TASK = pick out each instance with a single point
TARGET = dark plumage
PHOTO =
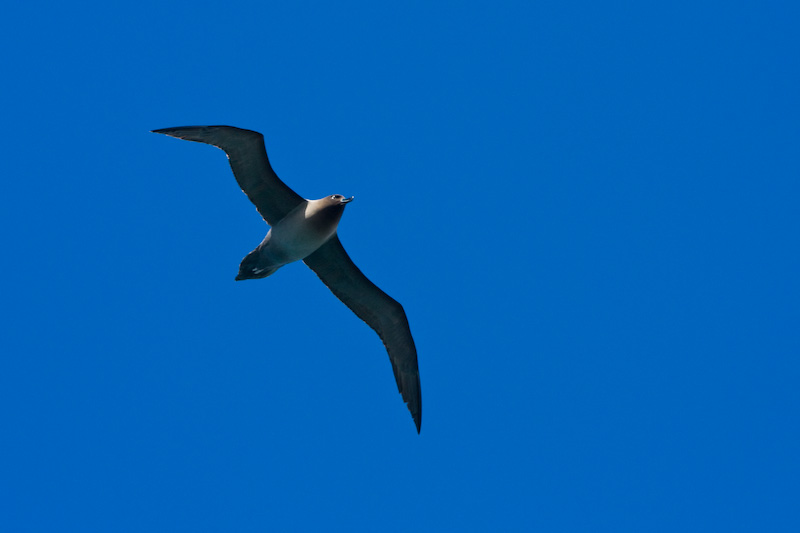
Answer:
(306, 230)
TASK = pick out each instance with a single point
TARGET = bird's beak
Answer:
(348, 200)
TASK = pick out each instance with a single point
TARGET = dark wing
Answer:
(383, 314)
(248, 158)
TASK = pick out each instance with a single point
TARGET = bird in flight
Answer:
(305, 230)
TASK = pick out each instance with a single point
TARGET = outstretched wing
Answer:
(382, 313)
(250, 165)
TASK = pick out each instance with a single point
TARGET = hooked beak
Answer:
(348, 200)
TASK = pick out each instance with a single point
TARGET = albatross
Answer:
(305, 230)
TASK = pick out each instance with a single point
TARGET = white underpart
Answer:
(291, 239)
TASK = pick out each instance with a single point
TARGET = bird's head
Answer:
(339, 200)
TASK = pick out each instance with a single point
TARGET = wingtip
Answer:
(169, 131)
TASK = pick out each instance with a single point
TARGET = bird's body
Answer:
(306, 230)
(296, 236)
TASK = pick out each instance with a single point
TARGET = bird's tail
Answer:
(254, 266)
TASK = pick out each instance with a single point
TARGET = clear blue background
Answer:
(589, 211)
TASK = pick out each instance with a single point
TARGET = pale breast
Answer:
(302, 231)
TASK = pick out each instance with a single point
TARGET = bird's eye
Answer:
(336, 196)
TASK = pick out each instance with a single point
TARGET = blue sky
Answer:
(589, 212)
